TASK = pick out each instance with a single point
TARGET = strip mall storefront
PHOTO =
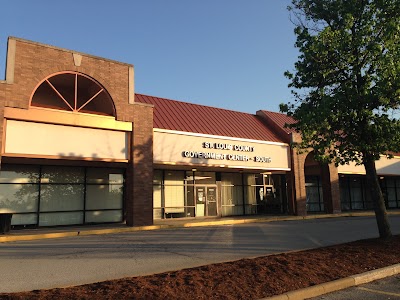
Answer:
(344, 188)
(199, 175)
(353, 186)
(71, 140)
(79, 146)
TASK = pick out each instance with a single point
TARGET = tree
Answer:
(346, 84)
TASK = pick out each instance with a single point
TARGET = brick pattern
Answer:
(299, 182)
(3, 88)
(139, 205)
(291, 194)
(335, 189)
(143, 161)
(34, 62)
(330, 183)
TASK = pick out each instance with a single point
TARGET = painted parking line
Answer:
(379, 292)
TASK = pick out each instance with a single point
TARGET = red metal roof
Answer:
(188, 117)
(280, 120)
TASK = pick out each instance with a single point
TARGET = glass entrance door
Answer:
(314, 194)
(206, 201)
(211, 201)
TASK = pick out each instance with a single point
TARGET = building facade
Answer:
(73, 139)
(215, 162)
(78, 146)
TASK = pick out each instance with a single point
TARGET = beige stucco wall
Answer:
(196, 150)
(384, 166)
(64, 141)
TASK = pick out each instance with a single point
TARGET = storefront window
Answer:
(314, 194)
(345, 198)
(231, 194)
(174, 190)
(356, 194)
(62, 190)
(190, 194)
(158, 212)
(19, 174)
(60, 195)
(391, 191)
(19, 191)
(104, 195)
(179, 194)
(353, 195)
(251, 193)
(392, 203)
(275, 194)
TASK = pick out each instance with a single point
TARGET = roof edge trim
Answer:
(194, 104)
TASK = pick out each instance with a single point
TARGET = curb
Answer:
(40, 236)
(336, 285)
(85, 232)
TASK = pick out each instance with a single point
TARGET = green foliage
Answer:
(346, 82)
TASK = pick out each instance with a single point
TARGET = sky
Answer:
(224, 53)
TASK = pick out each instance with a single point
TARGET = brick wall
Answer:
(334, 190)
(3, 87)
(34, 62)
(298, 162)
(330, 182)
(140, 169)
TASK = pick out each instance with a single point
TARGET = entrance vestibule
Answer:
(314, 192)
(206, 201)
(186, 194)
(322, 186)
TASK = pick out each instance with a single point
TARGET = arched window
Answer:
(75, 92)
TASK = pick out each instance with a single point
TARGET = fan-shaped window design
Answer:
(75, 92)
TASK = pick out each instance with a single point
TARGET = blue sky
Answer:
(224, 53)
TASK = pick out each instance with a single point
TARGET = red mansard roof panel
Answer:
(188, 117)
(280, 119)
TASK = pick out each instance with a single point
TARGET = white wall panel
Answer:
(384, 166)
(182, 148)
(64, 141)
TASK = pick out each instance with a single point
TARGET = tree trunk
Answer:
(377, 197)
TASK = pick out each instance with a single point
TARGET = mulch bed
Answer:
(243, 279)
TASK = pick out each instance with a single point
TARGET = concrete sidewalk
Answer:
(337, 285)
(84, 230)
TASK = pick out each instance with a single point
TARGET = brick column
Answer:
(330, 182)
(330, 187)
(139, 179)
(335, 189)
(298, 160)
(291, 194)
(2, 122)
(300, 183)
(326, 188)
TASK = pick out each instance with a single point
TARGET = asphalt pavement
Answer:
(78, 260)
